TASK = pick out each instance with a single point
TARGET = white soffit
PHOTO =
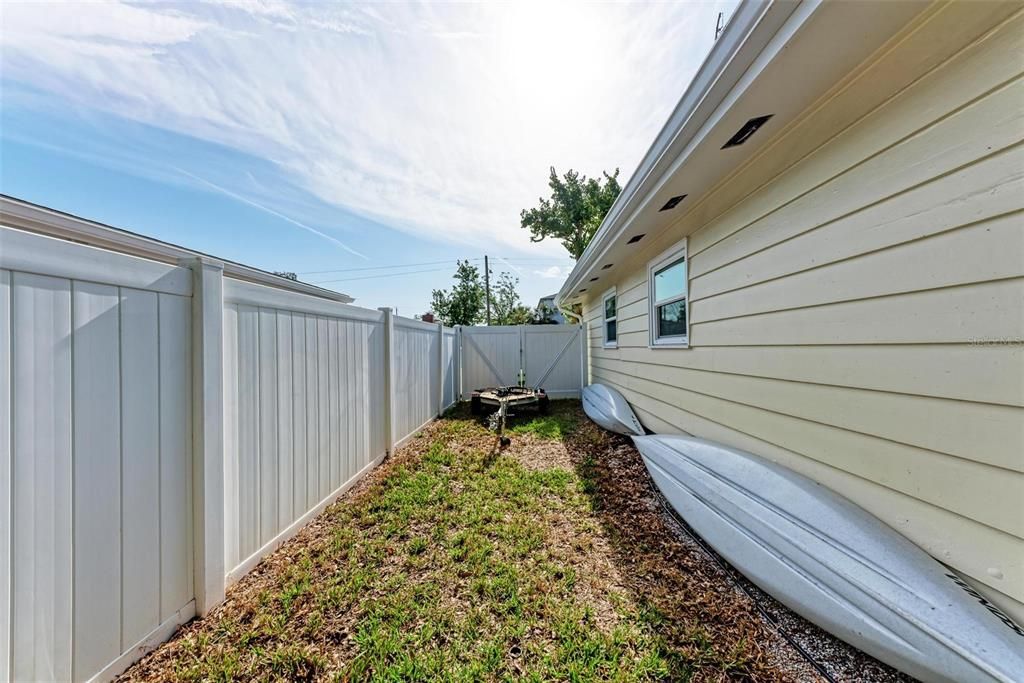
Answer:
(790, 58)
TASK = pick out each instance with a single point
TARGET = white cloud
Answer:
(272, 212)
(436, 119)
(552, 272)
(26, 22)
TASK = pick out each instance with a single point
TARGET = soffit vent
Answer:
(607, 266)
(748, 129)
(635, 238)
(672, 203)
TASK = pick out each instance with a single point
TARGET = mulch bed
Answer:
(692, 584)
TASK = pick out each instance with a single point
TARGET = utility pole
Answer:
(487, 289)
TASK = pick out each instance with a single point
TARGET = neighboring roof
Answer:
(773, 58)
(17, 213)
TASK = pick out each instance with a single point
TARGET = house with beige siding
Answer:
(821, 261)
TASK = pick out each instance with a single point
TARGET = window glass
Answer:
(609, 307)
(670, 282)
(610, 329)
(672, 319)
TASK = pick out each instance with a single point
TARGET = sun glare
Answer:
(541, 44)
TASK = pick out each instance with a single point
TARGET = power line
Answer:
(534, 258)
(372, 277)
(410, 272)
(397, 265)
(538, 263)
(519, 260)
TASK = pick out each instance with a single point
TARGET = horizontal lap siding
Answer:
(850, 318)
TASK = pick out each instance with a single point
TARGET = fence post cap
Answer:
(201, 260)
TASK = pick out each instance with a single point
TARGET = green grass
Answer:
(560, 421)
(458, 565)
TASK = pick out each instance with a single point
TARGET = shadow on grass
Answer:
(711, 631)
(708, 631)
(557, 423)
(452, 563)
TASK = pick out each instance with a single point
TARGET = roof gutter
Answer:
(750, 29)
(23, 215)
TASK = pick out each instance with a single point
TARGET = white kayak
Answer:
(835, 564)
(609, 409)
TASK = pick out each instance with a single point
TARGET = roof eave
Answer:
(18, 213)
(750, 29)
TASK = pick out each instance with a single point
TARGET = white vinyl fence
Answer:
(549, 356)
(304, 410)
(451, 365)
(164, 424)
(96, 530)
(163, 427)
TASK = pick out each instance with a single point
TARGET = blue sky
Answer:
(337, 141)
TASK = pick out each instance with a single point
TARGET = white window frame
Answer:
(613, 344)
(677, 251)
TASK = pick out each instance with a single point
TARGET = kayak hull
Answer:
(835, 564)
(609, 409)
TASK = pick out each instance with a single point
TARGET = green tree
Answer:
(575, 210)
(464, 304)
(543, 315)
(505, 302)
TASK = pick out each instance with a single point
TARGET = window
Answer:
(611, 332)
(669, 319)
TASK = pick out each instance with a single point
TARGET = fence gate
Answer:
(550, 356)
(490, 357)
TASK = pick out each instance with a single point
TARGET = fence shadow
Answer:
(700, 597)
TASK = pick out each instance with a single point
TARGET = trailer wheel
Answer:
(544, 405)
(475, 407)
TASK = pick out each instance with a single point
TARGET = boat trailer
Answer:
(505, 398)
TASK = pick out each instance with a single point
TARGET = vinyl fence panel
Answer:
(553, 359)
(450, 371)
(298, 430)
(416, 375)
(41, 486)
(95, 462)
(140, 474)
(371, 397)
(550, 356)
(175, 455)
(5, 473)
(96, 406)
(170, 426)
(490, 357)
